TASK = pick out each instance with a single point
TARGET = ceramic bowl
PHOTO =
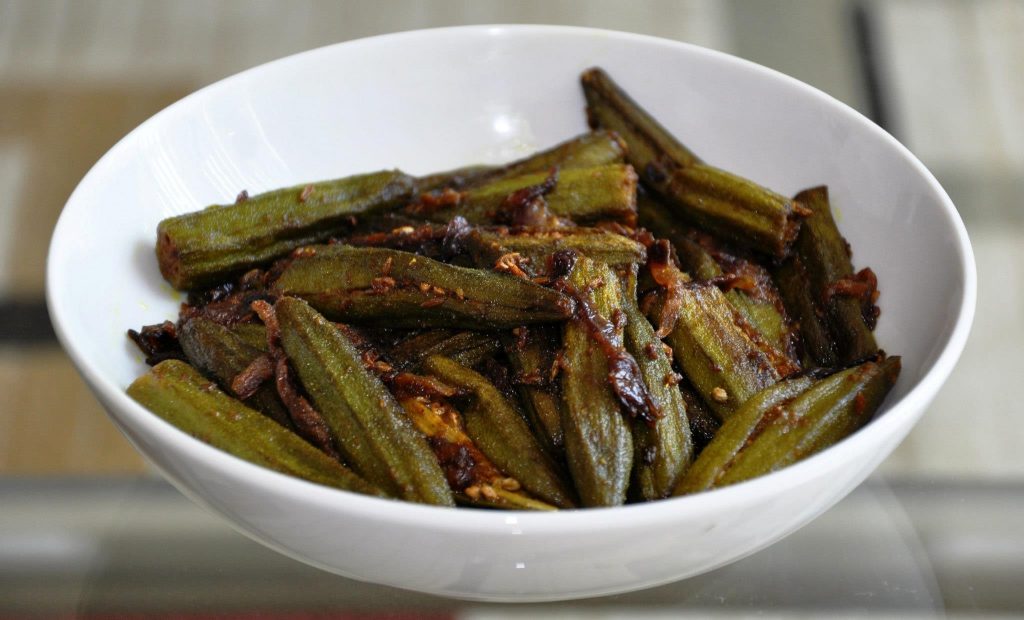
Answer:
(436, 99)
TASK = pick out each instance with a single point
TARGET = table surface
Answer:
(86, 528)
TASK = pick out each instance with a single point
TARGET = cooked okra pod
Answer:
(375, 286)
(531, 355)
(825, 413)
(844, 299)
(185, 398)
(490, 246)
(472, 476)
(369, 427)
(223, 353)
(736, 432)
(466, 348)
(580, 194)
(500, 431)
(662, 449)
(598, 441)
(723, 203)
(206, 247)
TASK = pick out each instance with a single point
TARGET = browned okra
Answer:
(499, 430)
(490, 246)
(182, 396)
(581, 194)
(663, 448)
(750, 291)
(723, 362)
(223, 353)
(532, 357)
(737, 432)
(822, 415)
(723, 203)
(598, 440)
(376, 286)
(843, 300)
(205, 247)
(470, 474)
(466, 347)
(369, 427)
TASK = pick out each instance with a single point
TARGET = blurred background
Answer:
(86, 530)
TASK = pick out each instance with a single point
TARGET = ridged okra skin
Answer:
(500, 431)
(536, 246)
(531, 356)
(465, 347)
(736, 432)
(724, 364)
(369, 427)
(206, 247)
(821, 258)
(223, 353)
(390, 288)
(582, 194)
(760, 307)
(185, 398)
(662, 450)
(826, 412)
(598, 440)
(734, 208)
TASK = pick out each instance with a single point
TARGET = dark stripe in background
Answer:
(869, 58)
(25, 323)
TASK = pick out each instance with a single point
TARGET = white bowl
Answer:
(436, 99)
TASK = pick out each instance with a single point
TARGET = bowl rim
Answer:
(399, 512)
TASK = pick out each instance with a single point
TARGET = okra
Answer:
(829, 410)
(369, 426)
(843, 298)
(182, 396)
(723, 362)
(205, 247)
(581, 194)
(662, 449)
(376, 286)
(467, 348)
(819, 350)
(223, 353)
(489, 246)
(470, 474)
(500, 431)
(531, 355)
(722, 203)
(737, 432)
(598, 441)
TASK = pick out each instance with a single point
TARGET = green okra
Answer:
(581, 194)
(223, 353)
(825, 259)
(725, 365)
(722, 203)
(377, 286)
(500, 431)
(819, 350)
(465, 347)
(594, 148)
(662, 450)
(598, 440)
(488, 246)
(703, 423)
(369, 426)
(206, 247)
(822, 415)
(736, 433)
(531, 355)
(182, 396)
(475, 480)
(760, 308)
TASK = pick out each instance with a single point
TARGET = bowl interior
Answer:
(439, 99)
